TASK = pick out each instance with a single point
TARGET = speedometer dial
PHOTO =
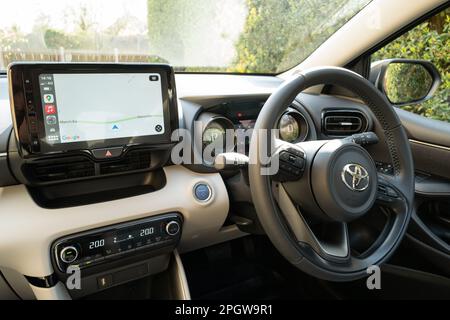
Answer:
(293, 127)
(214, 136)
(213, 133)
(289, 128)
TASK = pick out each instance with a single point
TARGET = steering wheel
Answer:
(307, 195)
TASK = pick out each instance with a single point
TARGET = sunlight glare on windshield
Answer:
(245, 36)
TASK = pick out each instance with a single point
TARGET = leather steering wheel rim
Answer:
(402, 179)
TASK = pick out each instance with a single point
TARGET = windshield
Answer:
(244, 36)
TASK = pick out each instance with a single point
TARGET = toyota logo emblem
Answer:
(355, 177)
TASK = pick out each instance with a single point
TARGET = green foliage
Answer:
(173, 27)
(432, 44)
(278, 34)
(12, 38)
(54, 39)
(163, 34)
(405, 82)
(83, 37)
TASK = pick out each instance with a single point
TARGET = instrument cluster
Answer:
(222, 126)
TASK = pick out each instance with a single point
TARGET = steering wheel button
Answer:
(299, 163)
(297, 152)
(284, 156)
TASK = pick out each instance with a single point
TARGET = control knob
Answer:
(172, 228)
(68, 254)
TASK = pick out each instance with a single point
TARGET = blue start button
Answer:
(202, 192)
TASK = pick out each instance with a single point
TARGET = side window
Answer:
(429, 41)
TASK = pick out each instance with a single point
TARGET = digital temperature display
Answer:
(113, 242)
(120, 240)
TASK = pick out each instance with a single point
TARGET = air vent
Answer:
(82, 167)
(343, 122)
(69, 169)
(133, 160)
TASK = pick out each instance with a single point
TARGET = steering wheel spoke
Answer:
(334, 245)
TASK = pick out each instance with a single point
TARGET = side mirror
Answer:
(405, 82)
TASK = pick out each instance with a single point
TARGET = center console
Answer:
(116, 254)
(77, 123)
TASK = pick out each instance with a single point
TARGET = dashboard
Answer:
(298, 123)
(108, 212)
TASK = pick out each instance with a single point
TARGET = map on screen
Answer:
(86, 107)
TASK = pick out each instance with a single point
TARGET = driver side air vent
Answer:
(343, 122)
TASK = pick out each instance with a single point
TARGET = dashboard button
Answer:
(68, 254)
(105, 281)
(106, 153)
(202, 192)
(172, 228)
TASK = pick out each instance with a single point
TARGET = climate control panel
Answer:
(117, 241)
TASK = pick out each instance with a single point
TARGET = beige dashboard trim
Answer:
(57, 292)
(27, 230)
(430, 145)
(181, 284)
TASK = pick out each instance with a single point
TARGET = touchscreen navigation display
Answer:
(81, 107)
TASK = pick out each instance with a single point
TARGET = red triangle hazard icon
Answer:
(108, 153)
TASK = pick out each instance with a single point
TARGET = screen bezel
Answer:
(32, 71)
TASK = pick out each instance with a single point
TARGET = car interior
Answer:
(143, 180)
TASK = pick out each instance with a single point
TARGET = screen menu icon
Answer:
(51, 120)
(48, 98)
(50, 109)
(47, 88)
